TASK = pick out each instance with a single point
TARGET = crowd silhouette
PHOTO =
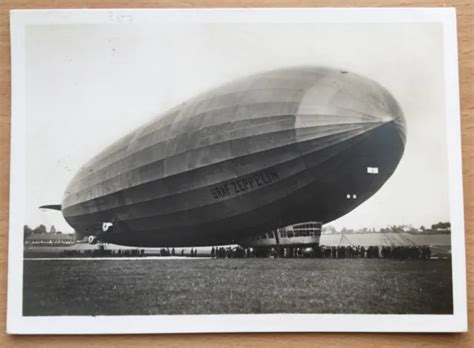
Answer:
(336, 252)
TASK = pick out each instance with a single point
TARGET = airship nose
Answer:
(386, 118)
(396, 121)
(347, 104)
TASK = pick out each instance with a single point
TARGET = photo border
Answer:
(200, 323)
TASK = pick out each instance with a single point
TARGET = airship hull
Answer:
(260, 153)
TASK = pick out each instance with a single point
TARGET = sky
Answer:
(89, 84)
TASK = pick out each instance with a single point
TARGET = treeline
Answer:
(440, 226)
(40, 229)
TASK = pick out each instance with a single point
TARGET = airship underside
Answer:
(265, 151)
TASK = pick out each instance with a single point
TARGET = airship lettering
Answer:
(221, 191)
(247, 183)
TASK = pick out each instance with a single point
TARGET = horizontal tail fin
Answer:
(51, 206)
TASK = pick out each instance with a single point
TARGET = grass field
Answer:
(202, 286)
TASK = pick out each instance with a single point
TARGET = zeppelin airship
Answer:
(262, 152)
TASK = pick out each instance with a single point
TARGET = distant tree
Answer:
(361, 230)
(395, 228)
(52, 230)
(41, 229)
(441, 225)
(422, 228)
(328, 229)
(27, 231)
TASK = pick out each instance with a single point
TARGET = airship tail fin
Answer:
(51, 206)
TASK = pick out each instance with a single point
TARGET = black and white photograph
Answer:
(235, 170)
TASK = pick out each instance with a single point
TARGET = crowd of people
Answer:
(102, 252)
(228, 253)
(184, 252)
(337, 252)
